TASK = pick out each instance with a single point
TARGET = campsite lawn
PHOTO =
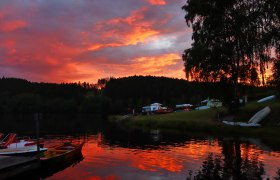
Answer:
(208, 121)
(246, 112)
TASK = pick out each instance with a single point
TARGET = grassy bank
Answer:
(208, 121)
(246, 112)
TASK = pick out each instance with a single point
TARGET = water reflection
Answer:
(44, 173)
(116, 154)
(192, 159)
(239, 161)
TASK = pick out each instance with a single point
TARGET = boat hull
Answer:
(52, 162)
(57, 157)
(243, 124)
(21, 151)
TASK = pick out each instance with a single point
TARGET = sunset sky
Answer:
(84, 40)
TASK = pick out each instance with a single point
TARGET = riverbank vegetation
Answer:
(208, 121)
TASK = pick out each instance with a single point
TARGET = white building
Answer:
(153, 107)
(214, 103)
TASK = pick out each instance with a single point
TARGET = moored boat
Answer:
(62, 154)
(243, 124)
(164, 111)
(13, 146)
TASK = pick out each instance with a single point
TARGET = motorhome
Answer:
(152, 108)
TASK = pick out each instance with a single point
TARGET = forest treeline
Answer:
(21, 96)
(137, 91)
(111, 96)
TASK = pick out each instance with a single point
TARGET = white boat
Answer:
(254, 120)
(202, 108)
(10, 145)
(243, 124)
(260, 115)
(214, 103)
(266, 99)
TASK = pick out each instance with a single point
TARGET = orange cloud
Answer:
(84, 43)
(169, 65)
(155, 64)
(12, 25)
(157, 2)
(119, 32)
(95, 47)
(62, 49)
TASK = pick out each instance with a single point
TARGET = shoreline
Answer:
(206, 121)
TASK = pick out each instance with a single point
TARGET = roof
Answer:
(156, 104)
(184, 105)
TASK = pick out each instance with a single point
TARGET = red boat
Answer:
(164, 111)
(11, 145)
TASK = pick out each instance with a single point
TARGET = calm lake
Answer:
(116, 154)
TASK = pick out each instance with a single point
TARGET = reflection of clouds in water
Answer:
(126, 156)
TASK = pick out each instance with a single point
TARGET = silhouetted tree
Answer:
(231, 38)
(276, 73)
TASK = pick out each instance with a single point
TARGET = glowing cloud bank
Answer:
(65, 41)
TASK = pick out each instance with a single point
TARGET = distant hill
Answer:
(20, 96)
(15, 86)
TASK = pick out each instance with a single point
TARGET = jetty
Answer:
(12, 165)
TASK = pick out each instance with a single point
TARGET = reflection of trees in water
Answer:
(46, 172)
(51, 123)
(211, 168)
(237, 166)
(277, 177)
(233, 164)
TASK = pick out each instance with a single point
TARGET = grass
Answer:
(207, 122)
(246, 112)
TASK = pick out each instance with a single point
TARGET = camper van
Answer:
(152, 108)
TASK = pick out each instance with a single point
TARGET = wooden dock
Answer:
(13, 165)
